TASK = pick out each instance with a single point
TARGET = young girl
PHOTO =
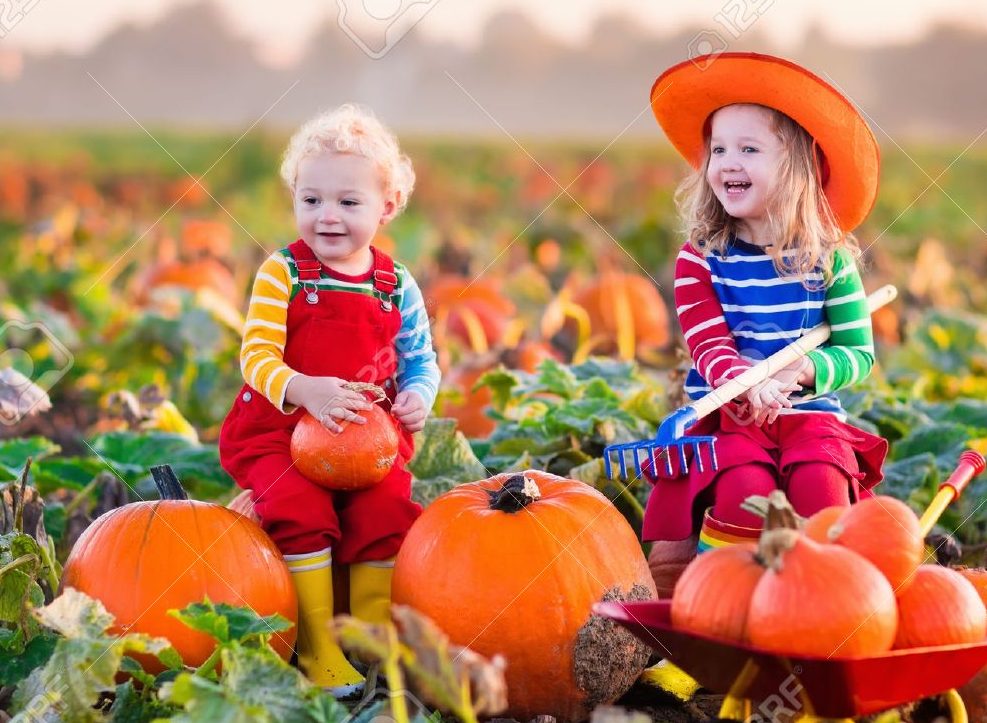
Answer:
(330, 309)
(785, 169)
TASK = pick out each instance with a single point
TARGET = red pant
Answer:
(810, 487)
(300, 516)
(757, 459)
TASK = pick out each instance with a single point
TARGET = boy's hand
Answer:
(328, 400)
(409, 409)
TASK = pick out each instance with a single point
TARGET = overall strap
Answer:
(384, 279)
(309, 267)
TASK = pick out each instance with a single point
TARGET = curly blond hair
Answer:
(800, 220)
(352, 129)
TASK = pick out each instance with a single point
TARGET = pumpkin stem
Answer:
(167, 483)
(515, 494)
(773, 545)
(379, 394)
(780, 514)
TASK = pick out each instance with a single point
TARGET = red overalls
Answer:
(344, 334)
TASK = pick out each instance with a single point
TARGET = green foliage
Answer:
(443, 458)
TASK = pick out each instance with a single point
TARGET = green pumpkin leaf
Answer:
(14, 453)
(557, 378)
(502, 383)
(256, 685)
(932, 438)
(227, 623)
(84, 662)
(18, 660)
(130, 706)
(443, 458)
(71, 472)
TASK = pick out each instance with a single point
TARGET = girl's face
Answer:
(339, 206)
(745, 153)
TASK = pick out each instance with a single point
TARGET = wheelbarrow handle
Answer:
(779, 360)
(970, 465)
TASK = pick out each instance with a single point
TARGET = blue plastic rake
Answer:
(670, 436)
(671, 440)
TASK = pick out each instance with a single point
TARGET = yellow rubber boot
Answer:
(370, 590)
(319, 657)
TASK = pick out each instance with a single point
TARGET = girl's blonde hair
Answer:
(801, 222)
(352, 129)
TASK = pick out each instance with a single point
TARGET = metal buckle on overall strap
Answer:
(309, 271)
(384, 283)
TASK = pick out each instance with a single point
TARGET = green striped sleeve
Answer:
(848, 356)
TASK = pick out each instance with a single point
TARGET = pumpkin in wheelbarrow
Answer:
(512, 565)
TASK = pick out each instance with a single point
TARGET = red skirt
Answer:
(671, 512)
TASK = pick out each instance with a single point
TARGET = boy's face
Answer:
(745, 153)
(339, 205)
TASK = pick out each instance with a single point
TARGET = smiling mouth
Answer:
(330, 234)
(736, 188)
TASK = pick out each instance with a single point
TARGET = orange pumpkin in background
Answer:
(472, 311)
(512, 566)
(201, 273)
(358, 457)
(626, 312)
(146, 558)
(470, 414)
(940, 607)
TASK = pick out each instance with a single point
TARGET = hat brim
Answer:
(687, 94)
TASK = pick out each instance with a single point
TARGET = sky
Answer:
(72, 25)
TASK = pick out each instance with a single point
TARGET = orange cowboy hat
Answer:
(686, 95)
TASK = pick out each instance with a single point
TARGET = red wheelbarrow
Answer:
(809, 688)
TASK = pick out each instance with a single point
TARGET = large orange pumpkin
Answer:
(820, 600)
(146, 558)
(512, 565)
(358, 457)
(940, 607)
(886, 532)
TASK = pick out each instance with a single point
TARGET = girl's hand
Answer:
(766, 400)
(327, 400)
(409, 409)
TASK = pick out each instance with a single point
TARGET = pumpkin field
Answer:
(134, 585)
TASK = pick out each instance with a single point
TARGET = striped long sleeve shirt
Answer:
(736, 310)
(265, 331)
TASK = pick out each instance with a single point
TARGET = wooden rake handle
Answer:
(780, 359)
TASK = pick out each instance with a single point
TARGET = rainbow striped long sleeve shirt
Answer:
(265, 332)
(735, 310)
